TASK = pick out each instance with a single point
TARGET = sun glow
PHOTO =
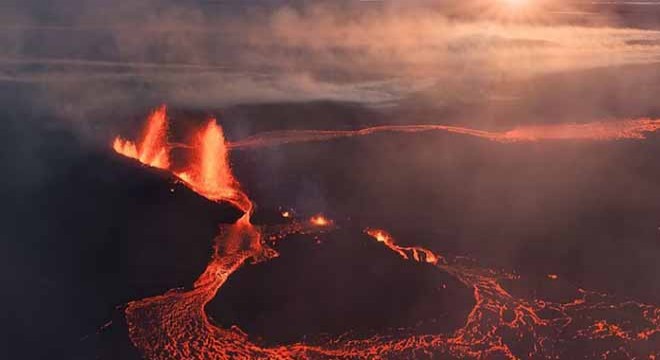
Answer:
(514, 3)
(519, 10)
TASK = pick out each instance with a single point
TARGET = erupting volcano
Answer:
(152, 149)
(500, 325)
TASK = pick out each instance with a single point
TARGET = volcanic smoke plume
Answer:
(500, 325)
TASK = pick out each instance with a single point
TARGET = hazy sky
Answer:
(98, 66)
(89, 56)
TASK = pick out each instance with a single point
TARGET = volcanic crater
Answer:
(340, 283)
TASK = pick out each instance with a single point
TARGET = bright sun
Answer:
(516, 9)
(514, 3)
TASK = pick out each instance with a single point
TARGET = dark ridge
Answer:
(345, 282)
(86, 230)
(586, 211)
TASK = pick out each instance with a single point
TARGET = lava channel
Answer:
(175, 326)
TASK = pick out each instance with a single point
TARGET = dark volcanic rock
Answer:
(346, 283)
(87, 230)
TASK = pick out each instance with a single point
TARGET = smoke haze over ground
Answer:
(74, 74)
(87, 57)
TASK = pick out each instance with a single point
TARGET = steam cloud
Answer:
(213, 55)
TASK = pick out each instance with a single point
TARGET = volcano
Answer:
(331, 180)
(497, 323)
(97, 207)
(204, 272)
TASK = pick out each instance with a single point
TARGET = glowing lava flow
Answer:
(418, 254)
(153, 149)
(501, 325)
(175, 326)
(610, 130)
(208, 174)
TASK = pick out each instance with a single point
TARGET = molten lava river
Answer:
(174, 325)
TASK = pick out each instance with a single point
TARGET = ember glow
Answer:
(320, 220)
(500, 325)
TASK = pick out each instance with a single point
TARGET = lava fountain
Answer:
(209, 173)
(500, 325)
(152, 149)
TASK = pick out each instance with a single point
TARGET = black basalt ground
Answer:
(88, 231)
(344, 282)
